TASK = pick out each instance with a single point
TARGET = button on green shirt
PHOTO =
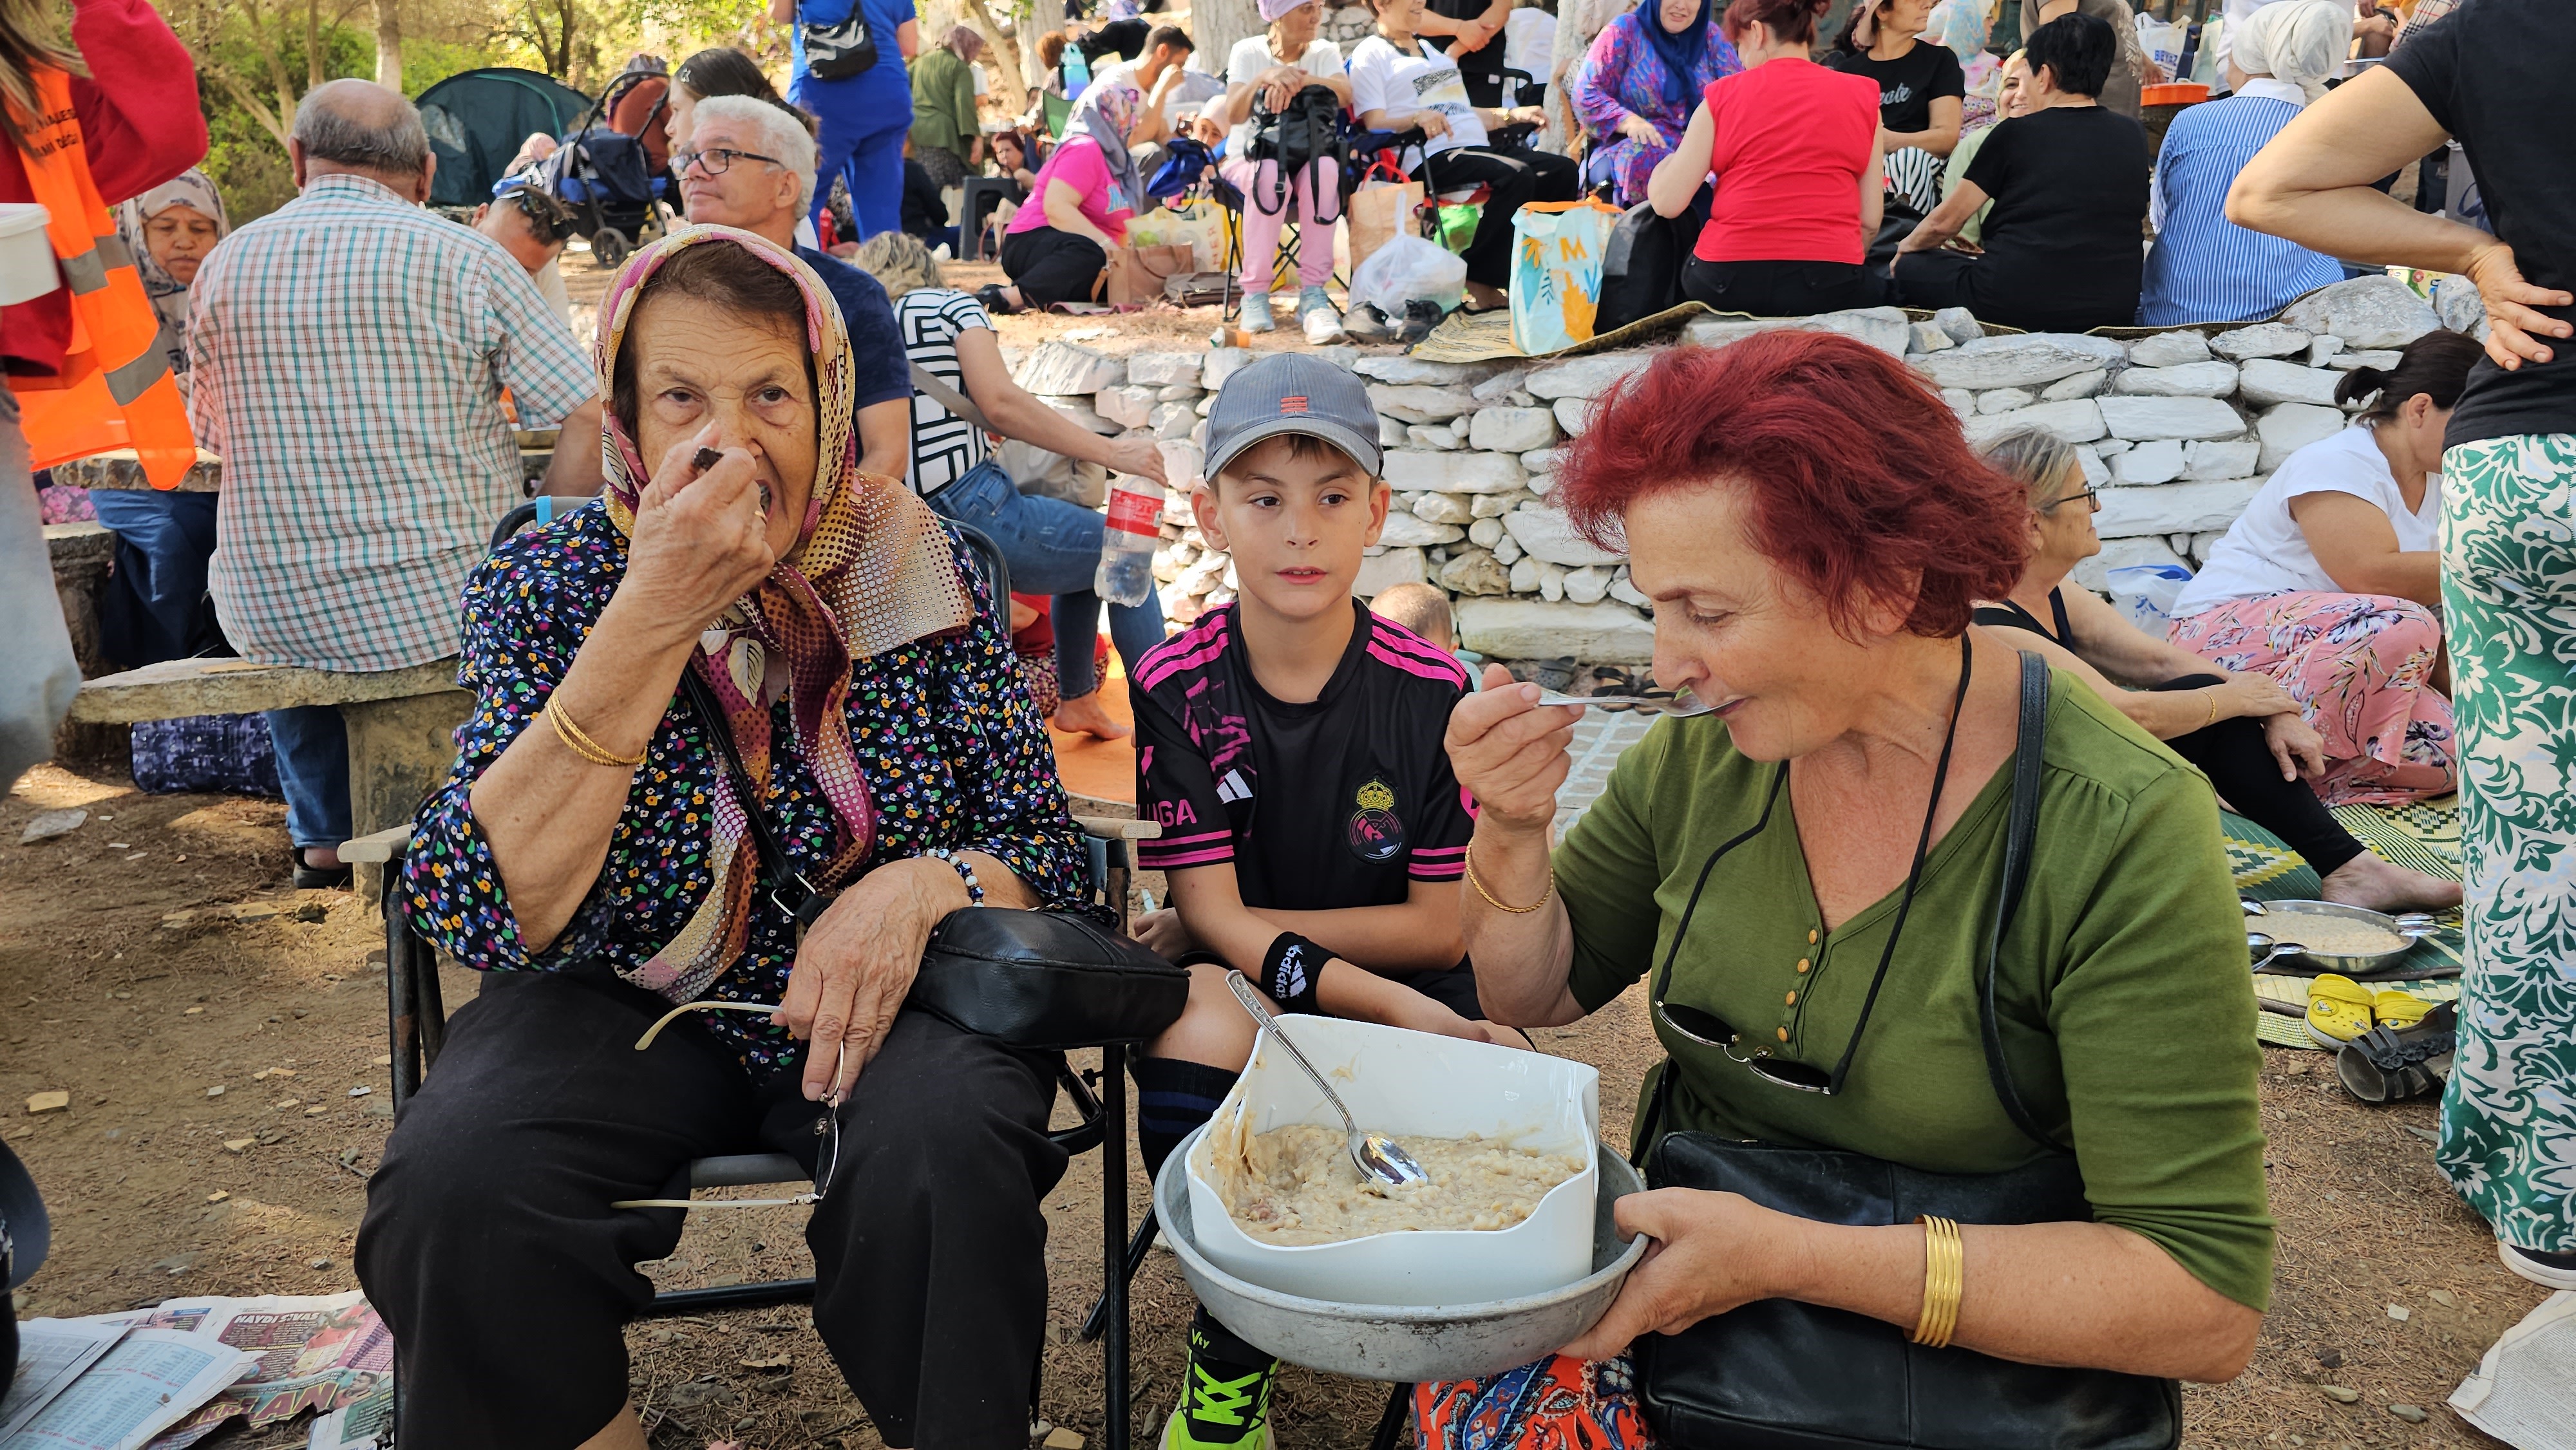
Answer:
(2127, 1011)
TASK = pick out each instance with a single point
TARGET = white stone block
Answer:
(1960, 323)
(1222, 363)
(2082, 385)
(1161, 369)
(2380, 358)
(2169, 349)
(1437, 437)
(2004, 400)
(1884, 328)
(1542, 460)
(1719, 331)
(1485, 532)
(1189, 392)
(2097, 474)
(1475, 572)
(1419, 371)
(2103, 448)
(2269, 380)
(1508, 549)
(1205, 405)
(1172, 420)
(1129, 406)
(2183, 380)
(2158, 462)
(1411, 469)
(1068, 369)
(2077, 421)
(1928, 337)
(2140, 419)
(2263, 339)
(1417, 404)
(1587, 377)
(1961, 401)
(2120, 554)
(1511, 430)
(2234, 458)
(1551, 581)
(1404, 531)
(1442, 508)
(1182, 462)
(1390, 433)
(2322, 349)
(1520, 629)
(1080, 413)
(2202, 543)
(1524, 575)
(2293, 426)
(1542, 484)
(1572, 414)
(1383, 571)
(1627, 593)
(2375, 311)
(1503, 386)
(1549, 534)
(2024, 361)
(1587, 585)
(2172, 508)
(2463, 310)
(1340, 355)
(1494, 505)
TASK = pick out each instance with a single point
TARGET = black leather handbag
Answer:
(1777, 1374)
(838, 52)
(1045, 980)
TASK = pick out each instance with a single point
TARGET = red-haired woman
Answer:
(1808, 879)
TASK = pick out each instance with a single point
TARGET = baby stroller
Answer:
(602, 175)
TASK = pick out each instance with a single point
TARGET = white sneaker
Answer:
(1317, 315)
(2552, 1271)
(1256, 313)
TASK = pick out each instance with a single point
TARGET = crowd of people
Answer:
(1951, 837)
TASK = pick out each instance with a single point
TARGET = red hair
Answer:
(1861, 486)
(1786, 19)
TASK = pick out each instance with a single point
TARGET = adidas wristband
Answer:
(1289, 970)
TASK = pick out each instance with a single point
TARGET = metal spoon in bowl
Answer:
(2256, 941)
(1382, 1161)
(1680, 704)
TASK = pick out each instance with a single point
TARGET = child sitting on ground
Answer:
(1290, 744)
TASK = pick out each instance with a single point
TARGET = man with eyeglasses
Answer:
(750, 164)
(532, 227)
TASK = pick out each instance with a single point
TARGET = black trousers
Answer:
(1782, 289)
(1049, 266)
(1517, 178)
(490, 1249)
(2232, 754)
(1945, 278)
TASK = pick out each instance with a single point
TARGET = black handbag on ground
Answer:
(838, 52)
(1641, 266)
(1044, 980)
(1778, 1374)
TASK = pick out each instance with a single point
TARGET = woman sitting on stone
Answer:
(2331, 583)
(2243, 730)
(592, 854)
(1059, 242)
(1637, 88)
(1922, 92)
(1807, 880)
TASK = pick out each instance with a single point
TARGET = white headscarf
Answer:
(168, 295)
(2299, 41)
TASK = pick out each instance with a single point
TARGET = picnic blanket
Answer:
(2424, 836)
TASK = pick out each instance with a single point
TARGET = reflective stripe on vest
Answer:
(115, 389)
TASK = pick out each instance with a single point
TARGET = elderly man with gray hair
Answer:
(749, 163)
(349, 353)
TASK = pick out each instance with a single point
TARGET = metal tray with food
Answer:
(2329, 936)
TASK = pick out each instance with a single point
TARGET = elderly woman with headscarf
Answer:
(597, 851)
(1055, 248)
(947, 136)
(1636, 89)
(2203, 267)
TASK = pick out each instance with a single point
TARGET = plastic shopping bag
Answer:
(1379, 213)
(1409, 269)
(1557, 249)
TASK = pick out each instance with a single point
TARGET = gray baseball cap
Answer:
(1289, 392)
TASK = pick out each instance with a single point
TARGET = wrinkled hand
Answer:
(2511, 301)
(1164, 934)
(701, 539)
(1708, 1256)
(1431, 124)
(2255, 695)
(1511, 751)
(1281, 85)
(854, 969)
(1139, 456)
(1640, 130)
(2296, 745)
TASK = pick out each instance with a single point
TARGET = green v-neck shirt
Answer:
(2127, 1011)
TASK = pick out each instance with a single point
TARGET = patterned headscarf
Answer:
(169, 295)
(871, 570)
(1109, 112)
(965, 41)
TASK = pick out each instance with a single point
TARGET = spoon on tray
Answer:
(1382, 1161)
(1680, 704)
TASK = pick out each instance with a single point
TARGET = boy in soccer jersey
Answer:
(1290, 745)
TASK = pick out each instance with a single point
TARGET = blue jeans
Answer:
(1054, 548)
(313, 774)
(860, 140)
(157, 608)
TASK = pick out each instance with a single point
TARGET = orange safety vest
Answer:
(115, 389)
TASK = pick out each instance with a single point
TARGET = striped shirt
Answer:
(2203, 267)
(945, 447)
(348, 353)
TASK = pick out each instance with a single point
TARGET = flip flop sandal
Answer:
(2392, 1064)
(2338, 1010)
(2398, 1009)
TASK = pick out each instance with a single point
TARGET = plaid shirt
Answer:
(347, 354)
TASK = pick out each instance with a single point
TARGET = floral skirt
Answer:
(2509, 589)
(2361, 665)
(1553, 1404)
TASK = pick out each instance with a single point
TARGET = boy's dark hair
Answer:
(1173, 36)
(2077, 48)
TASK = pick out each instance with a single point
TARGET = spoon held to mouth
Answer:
(1680, 704)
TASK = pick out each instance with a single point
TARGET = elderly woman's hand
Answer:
(700, 538)
(2296, 745)
(1510, 751)
(1712, 1252)
(855, 967)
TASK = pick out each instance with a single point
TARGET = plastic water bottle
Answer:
(1126, 573)
(1077, 72)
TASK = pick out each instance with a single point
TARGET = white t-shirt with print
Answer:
(2265, 552)
(1384, 78)
(1251, 59)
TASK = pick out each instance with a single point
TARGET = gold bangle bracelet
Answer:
(1478, 883)
(2212, 692)
(1944, 1278)
(580, 743)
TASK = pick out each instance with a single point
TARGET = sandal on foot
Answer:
(2391, 1064)
(2338, 1010)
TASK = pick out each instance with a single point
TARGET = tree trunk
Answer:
(1216, 25)
(312, 44)
(389, 44)
(1012, 71)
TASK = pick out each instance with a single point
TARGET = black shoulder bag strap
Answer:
(788, 888)
(926, 381)
(2021, 840)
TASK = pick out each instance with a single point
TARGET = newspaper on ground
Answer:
(51, 1354)
(2524, 1391)
(150, 1380)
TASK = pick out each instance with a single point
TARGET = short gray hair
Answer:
(361, 124)
(2035, 458)
(781, 135)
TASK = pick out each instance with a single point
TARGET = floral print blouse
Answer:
(953, 753)
(1621, 77)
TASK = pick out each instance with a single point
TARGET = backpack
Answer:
(1309, 131)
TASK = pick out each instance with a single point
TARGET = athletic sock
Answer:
(1173, 1097)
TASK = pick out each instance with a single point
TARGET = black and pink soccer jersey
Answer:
(1338, 803)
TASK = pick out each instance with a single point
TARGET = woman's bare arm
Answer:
(1678, 177)
(2357, 547)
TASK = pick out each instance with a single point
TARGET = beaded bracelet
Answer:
(964, 868)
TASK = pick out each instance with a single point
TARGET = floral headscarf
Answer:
(1109, 112)
(872, 570)
(169, 295)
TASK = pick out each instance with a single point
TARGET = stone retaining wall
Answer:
(2179, 430)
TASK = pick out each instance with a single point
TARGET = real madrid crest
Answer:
(1376, 833)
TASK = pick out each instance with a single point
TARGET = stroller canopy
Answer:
(477, 120)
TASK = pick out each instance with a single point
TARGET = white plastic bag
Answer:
(2146, 593)
(1410, 269)
(2162, 39)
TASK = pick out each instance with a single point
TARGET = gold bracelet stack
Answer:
(580, 743)
(1473, 880)
(1944, 1277)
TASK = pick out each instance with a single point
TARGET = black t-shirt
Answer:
(2492, 72)
(924, 213)
(1341, 802)
(1907, 84)
(2064, 245)
(880, 368)
(1482, 69)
